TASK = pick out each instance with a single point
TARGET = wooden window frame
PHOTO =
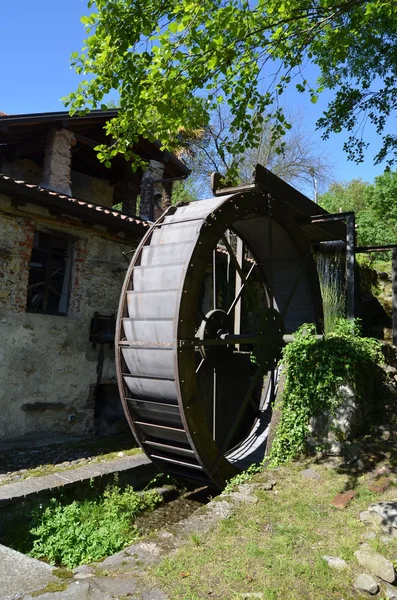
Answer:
(67, 276)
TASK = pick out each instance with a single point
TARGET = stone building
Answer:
(62, 267)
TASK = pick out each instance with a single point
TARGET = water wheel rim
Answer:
(226, 212)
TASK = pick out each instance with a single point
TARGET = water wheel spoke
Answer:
(239, 293)
(233, 258)
(214, 279)
(228, 340)
(200, 365)
(214, 406)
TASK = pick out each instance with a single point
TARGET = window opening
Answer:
(49, 274)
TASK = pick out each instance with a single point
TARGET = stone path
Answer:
(16, 568)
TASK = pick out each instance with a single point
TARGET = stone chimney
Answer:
(57, 161)
(151, 193)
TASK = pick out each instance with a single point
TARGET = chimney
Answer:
(57, 161)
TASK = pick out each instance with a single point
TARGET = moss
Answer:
(63, 573)
(50, 588)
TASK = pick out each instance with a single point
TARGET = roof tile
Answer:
(111, 213)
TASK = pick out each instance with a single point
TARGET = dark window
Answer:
(49, 274)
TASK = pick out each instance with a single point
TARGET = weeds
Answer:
(71, 534)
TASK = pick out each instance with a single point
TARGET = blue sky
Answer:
(37, 39)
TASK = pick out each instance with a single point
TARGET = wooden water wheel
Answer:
(210, 296)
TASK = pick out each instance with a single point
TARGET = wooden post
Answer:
(350, 266)
(394, 295)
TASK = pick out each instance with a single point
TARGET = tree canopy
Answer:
(172, 62)
(375, 206)
(297, 159)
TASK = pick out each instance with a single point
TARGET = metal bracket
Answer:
(102, 330)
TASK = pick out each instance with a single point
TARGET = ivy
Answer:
(315, 369)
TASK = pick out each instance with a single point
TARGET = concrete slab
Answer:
(34, 485)
(21, 574)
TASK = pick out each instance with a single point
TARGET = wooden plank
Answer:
(394, 295)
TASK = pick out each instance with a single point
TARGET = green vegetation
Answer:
(243, 477)
(87, 530)
(274, 547)
(315, 370)
(173, 63)
(50, 588)
(296, 158)
(375, 206)
(70, 534)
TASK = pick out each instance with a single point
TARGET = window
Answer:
(49, 274)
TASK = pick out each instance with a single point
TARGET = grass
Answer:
(274, 548)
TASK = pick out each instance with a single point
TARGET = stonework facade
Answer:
(57, 161)
(48, 367)
(62, 269)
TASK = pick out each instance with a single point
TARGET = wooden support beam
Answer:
(350, 266)
(394, 295)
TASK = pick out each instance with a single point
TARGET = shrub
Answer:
(315, 369)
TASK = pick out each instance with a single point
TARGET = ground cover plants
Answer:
(315, 370)
(73, 533)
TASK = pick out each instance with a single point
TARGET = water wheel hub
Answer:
(215, 325)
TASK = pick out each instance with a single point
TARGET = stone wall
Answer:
(24, 169)
(47, 364)
(86, 187)
(92, 189)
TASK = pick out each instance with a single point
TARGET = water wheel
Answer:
(209, 296)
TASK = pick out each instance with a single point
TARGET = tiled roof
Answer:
(40, 195)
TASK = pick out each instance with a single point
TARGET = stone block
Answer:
(386, 514)
(366, 583)
(335, 562)
(380, 486)
(342, 500)
(310, 474)
(389, 591)
(375, 563)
